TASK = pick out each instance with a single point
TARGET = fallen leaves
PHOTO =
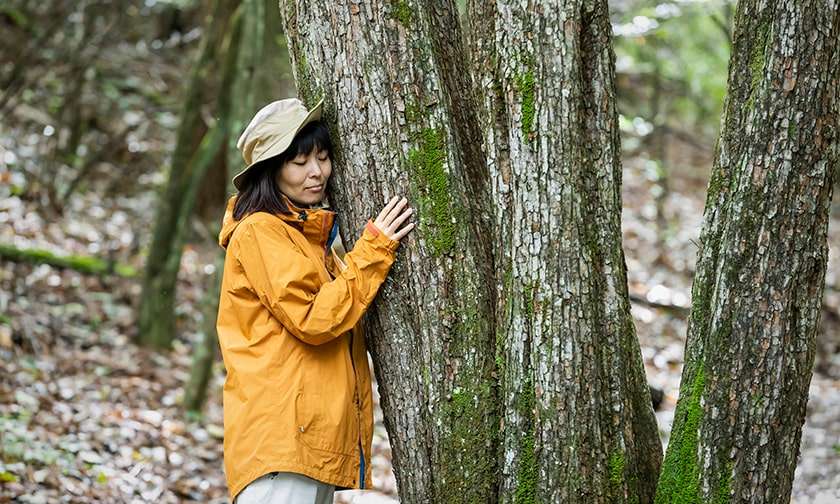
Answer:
(75, 429)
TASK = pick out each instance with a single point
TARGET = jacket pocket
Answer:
(327, 419)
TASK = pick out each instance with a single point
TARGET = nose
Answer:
(315, 169)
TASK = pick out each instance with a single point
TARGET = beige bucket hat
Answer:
(272, 130)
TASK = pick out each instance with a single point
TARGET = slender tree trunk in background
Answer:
(156, 313)
(257, 79)
(579, 424)
(502, 340)
(205, 351)
(761, 267)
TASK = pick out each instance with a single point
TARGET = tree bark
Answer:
(579, 425)
(432, 340)
(761, 267)
(503, 343)
(397, 132)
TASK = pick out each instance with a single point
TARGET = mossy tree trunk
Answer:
(502, 340)
(205, 351)
(579, 424)
(194, 152)
(761, 266)
(433, 339)
(257, 72)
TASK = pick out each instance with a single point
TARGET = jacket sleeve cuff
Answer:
(377, 236)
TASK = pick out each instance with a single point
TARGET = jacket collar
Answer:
(318, 225)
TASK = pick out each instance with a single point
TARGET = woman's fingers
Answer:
(395, 210)
(392, 210)
(391, 219)
(382, 218)
(397, 224)
(402, 232)
(388, 208)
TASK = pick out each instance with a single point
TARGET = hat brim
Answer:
(281, 145)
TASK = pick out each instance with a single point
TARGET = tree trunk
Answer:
(155, 319)
(205, 351)
(502, 340)
(579, 424)
(432, 338)
(761, 266)
(258, 79)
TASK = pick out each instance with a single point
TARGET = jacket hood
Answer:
(229, 224)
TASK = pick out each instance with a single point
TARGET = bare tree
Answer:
(256, 71)
(503, 342)
(197, 146)
(761, 268)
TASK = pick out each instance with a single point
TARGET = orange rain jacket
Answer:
(297, 397)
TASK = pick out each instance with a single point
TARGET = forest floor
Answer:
(86, 416)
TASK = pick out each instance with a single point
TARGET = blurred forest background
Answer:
(91, 99)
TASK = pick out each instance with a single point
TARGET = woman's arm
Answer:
(289, 284)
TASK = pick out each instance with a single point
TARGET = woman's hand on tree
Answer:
(392, 219)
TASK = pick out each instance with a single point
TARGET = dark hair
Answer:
(258, 191)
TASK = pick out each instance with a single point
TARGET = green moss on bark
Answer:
(757, 62)
(401, 11)
(618, 480)
(617, 466)
(680, 481)
(530, 293)
(467, 455)
(524, 82)
(725, 482)
(82, 264)
(428, 168)
(528, 475)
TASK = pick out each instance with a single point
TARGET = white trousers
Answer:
(286, 488)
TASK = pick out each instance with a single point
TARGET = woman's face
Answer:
(303, 179)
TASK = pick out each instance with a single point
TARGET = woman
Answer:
(297, 398)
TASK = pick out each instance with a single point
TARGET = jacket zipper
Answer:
(358, 402)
